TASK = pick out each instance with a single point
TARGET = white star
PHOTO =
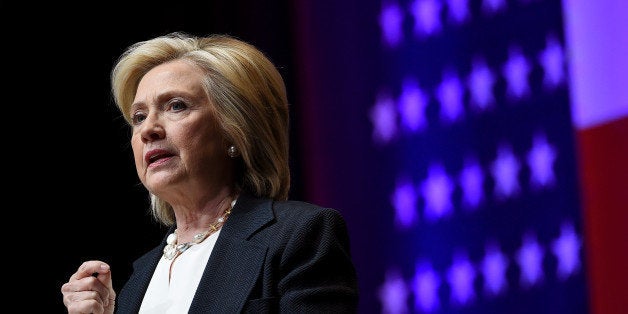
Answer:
(458, 10)
(412, 104)
(494, 268)
(493, 6)
(516, 72)
(426, 17)
(553, 63)
(450, 93)
(425, 287)
(384, 119)
(404, 202)
(541, 160)
(472, 183)
(460, 276)
(436, 190)
(567, 249)
(481, 82)
(391, 22)
(393, 294)
(505, 170)
(530, 258)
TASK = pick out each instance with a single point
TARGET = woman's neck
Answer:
(200, 218)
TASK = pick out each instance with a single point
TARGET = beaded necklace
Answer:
(172, 249)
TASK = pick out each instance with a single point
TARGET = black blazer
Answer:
(270, 257)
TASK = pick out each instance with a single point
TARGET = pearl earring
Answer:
(232, 151)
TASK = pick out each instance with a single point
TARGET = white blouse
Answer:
(175, 295)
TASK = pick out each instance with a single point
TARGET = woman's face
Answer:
(176, 142)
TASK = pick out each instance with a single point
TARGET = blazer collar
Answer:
(248, 215)
(235, 262)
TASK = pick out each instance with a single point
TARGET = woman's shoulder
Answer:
(302, 210)
(300, 206)
(289, 213)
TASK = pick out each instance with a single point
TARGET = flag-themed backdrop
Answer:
(456, 138)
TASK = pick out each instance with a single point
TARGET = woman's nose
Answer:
(152, 129)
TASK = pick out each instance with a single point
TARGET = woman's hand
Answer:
(90, 289)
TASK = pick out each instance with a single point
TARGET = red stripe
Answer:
(604, 180)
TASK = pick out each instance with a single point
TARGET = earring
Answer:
(232, 151)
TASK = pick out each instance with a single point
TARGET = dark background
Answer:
(75, 191)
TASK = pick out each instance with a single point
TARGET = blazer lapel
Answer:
(235, 262)
(131, 298)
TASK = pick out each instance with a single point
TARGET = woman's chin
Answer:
(159, 182)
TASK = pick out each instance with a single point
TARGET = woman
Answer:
(209, 120)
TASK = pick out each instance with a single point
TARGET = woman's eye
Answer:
(177, 105)
(138, 117)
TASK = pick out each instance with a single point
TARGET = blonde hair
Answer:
(249, 96)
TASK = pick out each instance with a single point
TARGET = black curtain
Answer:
(72, 180)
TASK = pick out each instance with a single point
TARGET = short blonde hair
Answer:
(249, 96)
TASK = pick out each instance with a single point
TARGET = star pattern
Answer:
(384, 119)
(425, 288)
(472, 183)
(393, 294)
(541, 161)
(438, 187)
(552, 61)
(450, 115)
(481, 82)
(530, 259)
(404, 202)
(426, 15)
(458, 10)
(494, 268)
(436, 191)
(460, 277)
(516, 73)
(391, 24)
(412, 105)
(450, 93)
(567, 250)
(505, 170)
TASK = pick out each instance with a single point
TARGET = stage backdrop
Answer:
(477, 148)
(443, 131)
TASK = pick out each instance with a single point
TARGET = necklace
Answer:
(172, 249)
